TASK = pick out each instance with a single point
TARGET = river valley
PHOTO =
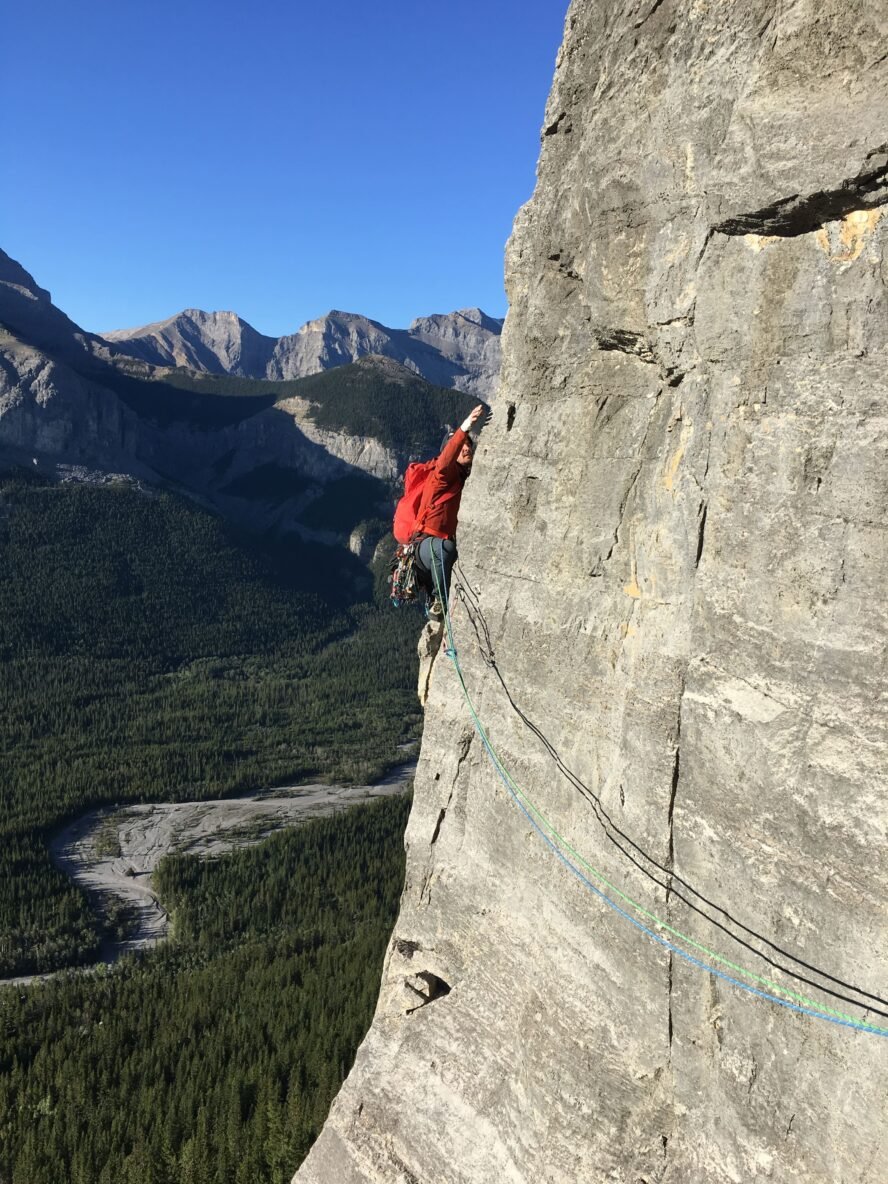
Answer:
(112, 853)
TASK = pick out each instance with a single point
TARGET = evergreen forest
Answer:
(401, 410)
(214, 1058)
(150, 652)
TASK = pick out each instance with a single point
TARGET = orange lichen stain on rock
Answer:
(758, 242)
(632, 589)
(843, 241)
(675, 461)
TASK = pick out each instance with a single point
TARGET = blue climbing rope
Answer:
(516, 795)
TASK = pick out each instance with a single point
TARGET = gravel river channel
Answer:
(112, 852)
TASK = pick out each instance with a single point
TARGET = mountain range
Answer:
(314, 454)
(458, 349)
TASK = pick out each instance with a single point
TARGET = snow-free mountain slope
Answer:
(459, 349)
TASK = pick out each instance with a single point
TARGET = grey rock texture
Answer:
(48, 409)
(331, 340)
(213, 342)
(427, 649)
(469, 347)
(460, 349)
(676, 533)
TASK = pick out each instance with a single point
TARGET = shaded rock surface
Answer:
(459, 349)
(675, 539)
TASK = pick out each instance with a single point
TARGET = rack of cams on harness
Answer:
(743, 940)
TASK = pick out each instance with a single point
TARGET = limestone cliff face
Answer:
(676, 534)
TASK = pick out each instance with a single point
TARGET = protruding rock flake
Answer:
(658, 884)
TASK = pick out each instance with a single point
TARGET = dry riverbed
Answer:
(112, 853)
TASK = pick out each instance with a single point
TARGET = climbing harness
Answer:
(403, 578)
(559, 845)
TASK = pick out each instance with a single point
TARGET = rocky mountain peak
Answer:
(463, 318)
(338, 316)
(459, 350)
(14, 275)
(27, 311)
(212, 342)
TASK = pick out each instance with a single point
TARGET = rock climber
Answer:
(438, 512)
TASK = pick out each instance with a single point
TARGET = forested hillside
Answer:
(374, 397)
(214, 1059)
(149, 652)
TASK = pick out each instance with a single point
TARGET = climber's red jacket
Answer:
(443, 489)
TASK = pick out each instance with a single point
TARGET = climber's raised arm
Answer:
(459, 448)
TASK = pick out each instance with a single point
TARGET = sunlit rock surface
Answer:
(676, 535)
(212, 342)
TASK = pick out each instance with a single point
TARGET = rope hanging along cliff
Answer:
(538, 821)
(482, 633)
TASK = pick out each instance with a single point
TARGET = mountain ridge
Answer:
(458, 349)
(269, 454)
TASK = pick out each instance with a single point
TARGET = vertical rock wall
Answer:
(676, 535)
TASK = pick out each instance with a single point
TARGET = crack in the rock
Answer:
(798, 214)
(753, 1074)
(598, 566)
(676, 774)
(701, 531)
(647, 16)
(406, 1175)
(625, 341)
(441, 816)
(707, 661)
(765, 26)
(708, 453)
(637, 345)
(514, 575)
(465, 745)
(442, 813)
(684, 319)
(596, 571)
(673, 791)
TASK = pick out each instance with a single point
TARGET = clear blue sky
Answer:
(274, 157)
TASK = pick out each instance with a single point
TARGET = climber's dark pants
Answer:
(434, 560)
